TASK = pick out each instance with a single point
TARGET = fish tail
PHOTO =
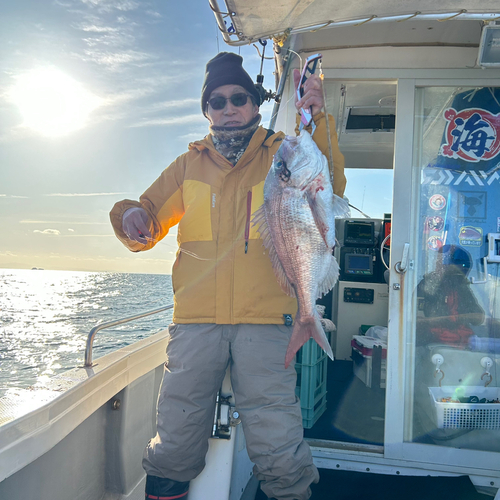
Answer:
(303, 330)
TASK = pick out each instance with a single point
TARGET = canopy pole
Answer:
(279, 91)
(329, 138)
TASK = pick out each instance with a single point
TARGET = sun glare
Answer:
(52, 103)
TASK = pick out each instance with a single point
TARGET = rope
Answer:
(280, 39)
(463, 11)
(366, 21)
(219, 12)
(224, 15)
(411, 17)
(330, 152)
(321, 27)
(261, 55)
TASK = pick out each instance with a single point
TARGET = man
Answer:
(229, 309)
(448, 303)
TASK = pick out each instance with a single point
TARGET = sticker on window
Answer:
(470, 236)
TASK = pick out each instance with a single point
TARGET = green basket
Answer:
(311, 386)
(310, 353)
(364, 328)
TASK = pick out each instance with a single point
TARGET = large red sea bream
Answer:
(297, 225)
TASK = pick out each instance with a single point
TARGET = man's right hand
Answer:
(134, 223)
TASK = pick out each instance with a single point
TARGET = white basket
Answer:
(466, 415)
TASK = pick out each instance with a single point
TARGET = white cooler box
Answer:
(362, 353)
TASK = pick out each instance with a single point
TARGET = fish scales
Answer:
(299, 240)
(297, 224)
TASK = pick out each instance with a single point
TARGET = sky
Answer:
(97, 97)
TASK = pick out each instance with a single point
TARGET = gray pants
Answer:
(197, 358)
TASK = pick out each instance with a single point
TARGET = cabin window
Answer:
(455, 303)
(365, 114)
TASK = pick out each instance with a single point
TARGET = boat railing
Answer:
(102, 326)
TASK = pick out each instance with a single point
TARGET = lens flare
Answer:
(52, 103)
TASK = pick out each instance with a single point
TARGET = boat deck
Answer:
(348, 485)
(355, 414)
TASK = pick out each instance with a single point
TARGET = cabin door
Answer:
(443, 396)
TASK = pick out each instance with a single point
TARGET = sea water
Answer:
(46, 316)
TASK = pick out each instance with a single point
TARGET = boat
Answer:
(413, 89)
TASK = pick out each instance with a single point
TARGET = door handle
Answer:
(402, 266)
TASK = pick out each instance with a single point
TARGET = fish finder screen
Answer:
(359, 264)
(360, 232)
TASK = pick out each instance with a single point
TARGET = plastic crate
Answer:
(450, 415)
(311, 390)
(310, 353)
(311, 367)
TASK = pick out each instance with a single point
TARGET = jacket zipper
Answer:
(247, 225)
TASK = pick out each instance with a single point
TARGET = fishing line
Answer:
(293, 93)
(286, 103)
(297, 54)
(180, 249)
(262, 55)
(361, 212)
(217, 35)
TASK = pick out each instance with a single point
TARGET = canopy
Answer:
(244, 21)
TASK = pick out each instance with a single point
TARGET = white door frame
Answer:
(402, 285)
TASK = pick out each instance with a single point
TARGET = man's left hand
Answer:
(313, 93)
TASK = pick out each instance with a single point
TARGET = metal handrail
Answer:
(90, 338)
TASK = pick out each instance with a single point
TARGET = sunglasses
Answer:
(238, 100)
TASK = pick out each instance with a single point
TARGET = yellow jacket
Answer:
(224, 275)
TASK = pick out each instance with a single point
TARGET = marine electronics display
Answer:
(358, 252)
(361, 297)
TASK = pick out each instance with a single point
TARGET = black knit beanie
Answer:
(226, 69)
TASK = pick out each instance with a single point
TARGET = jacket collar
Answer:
(258, 140)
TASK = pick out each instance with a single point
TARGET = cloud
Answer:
(111, 5)
(175, 120)
(71, 230)
(116, 59)
(159, 106)
(88, 235)
(62, 222)
(83, 194)
(7, 254)
(196, 135)
(54, 232)
(153, 13)
(96, 29)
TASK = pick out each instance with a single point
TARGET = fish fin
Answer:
(321, 219)
(258, 216)
(330, 279)
(303, 330)
(285, 285)
(259, 219)
(341, 208)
